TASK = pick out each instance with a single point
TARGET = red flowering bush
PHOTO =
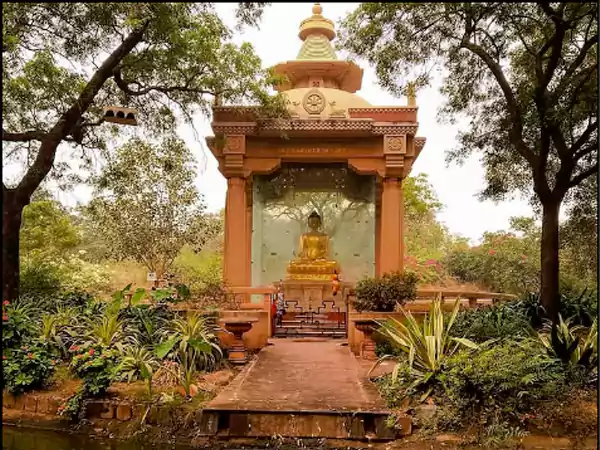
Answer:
(26, 368)
(504, 262)
(96, 366)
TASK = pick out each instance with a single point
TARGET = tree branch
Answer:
(516, 131)
(47, 152)
(555, 43)
(571, 69)
(593, 126)
(125, 86)
(26, 136)
(583, 175)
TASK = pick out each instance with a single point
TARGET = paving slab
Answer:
(321, 376)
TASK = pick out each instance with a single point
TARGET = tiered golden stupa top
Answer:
(317, 84)
(317, 32)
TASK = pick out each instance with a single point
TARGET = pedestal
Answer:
(237, 327)
(367, 327)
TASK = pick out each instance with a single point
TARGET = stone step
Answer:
(311, 333)
(307, 326)
(352, 425)
(320, 322)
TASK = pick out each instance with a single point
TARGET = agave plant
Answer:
(427, 344)
(562, 340)
(139, 363)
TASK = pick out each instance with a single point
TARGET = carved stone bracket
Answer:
(233, 165)
(394, 166)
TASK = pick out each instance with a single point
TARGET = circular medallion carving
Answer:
(395, 143)
(314, 102)
(234, 143)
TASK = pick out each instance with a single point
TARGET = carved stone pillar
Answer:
(236, 235)
(378, 228)
(391, 250)
(248, 233)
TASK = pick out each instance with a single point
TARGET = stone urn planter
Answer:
(367, 327)
(238, 326)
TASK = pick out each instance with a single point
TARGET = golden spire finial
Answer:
(317, 24)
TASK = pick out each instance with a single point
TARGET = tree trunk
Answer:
(11, 226)
(549, 292)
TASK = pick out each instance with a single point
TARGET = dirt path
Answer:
(301, 376)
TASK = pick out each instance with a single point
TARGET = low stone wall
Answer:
(95, 409)
(257, 337)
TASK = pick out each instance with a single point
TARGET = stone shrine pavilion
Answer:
(319, 192)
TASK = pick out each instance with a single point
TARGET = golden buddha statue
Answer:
(312, 262)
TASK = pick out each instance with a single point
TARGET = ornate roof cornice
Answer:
(398, 128)
(306, 125)
(384, 109)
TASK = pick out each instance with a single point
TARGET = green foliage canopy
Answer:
(523, 74)
(146, 206)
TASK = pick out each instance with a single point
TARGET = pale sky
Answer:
(276, 41)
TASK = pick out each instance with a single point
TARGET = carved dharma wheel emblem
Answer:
(395, 143)
(314, 102)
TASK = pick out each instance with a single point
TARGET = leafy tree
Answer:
(424, 236)
(505, 261)
(579, 238)
(61, 62)
(525, 74)
(47, 231)
(146, 206)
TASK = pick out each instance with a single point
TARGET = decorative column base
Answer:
(367, 327)
(237, 352)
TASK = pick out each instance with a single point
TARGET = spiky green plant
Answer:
(563, 340)
(139, 363)
(106, 330)
(426, 344)
(50, 330)
(194, 340)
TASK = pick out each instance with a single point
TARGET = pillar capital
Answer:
(236, 181)
(392, 181)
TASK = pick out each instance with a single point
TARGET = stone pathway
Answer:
(301, 376)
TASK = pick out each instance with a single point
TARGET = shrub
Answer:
(498, 384)
(138, 363)
(580, 309)
(39, 279)
(17, 324)
(382, 294)
(96, 366)
(572, 344)
(426, 344)
(144, 322)
(492, 322)
(26, 368)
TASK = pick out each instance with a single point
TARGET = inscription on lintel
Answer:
(316, 150)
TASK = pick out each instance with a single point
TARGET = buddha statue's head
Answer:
(314, 221)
